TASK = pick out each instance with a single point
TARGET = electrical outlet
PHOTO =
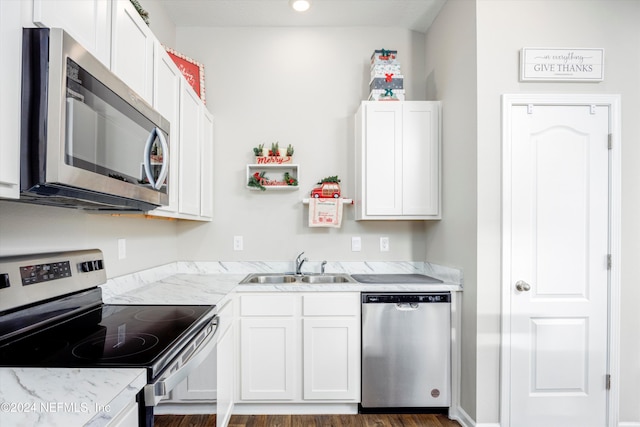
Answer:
(384, 244)
(356, 244)
(122, 248)
(238, 244)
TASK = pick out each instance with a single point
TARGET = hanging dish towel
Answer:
(325, 212)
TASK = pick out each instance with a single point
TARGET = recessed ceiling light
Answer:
(300, 5)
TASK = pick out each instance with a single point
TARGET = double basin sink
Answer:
(293, 279)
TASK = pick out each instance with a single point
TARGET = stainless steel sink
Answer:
(301, 279)
(327, 278)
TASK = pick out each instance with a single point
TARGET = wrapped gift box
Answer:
(395, 82)
(386, 95)
(384, 56)
(379, 70)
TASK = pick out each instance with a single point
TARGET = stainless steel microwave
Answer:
(87, 140)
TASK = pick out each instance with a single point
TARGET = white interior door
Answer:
(557, 219)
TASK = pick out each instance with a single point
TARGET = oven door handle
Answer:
(154, 392)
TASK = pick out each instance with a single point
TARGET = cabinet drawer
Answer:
(267, 305)
(331, 304)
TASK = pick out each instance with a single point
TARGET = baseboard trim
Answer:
(461, 416)
(629, 424)
(294, 408)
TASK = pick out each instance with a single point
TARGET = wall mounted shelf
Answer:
(274, 175)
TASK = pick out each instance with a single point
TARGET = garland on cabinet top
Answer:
(387, 81)
(143, 13)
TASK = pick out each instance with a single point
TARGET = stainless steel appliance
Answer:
(52, 315)
(87, 140)
(406, 350)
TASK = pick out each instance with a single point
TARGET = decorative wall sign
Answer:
(192, 71)
(562, 64)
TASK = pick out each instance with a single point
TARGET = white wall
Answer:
(451, 77)
(27, 229)
(298, 86)
(503, 28)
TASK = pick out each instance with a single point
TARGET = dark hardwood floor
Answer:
(360, 420)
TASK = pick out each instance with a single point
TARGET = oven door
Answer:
(191, 356)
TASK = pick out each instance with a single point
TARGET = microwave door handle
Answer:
(147, 157)
(164, 170)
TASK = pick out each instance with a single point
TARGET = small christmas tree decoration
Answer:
(330, 179)
(259, 150)
(275, 151)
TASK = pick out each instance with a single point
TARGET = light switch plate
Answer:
(238, 243)
(384, 244)
(356, 244)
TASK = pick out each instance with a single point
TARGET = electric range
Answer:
(52, 315)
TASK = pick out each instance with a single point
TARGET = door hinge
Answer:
(608, 381)
(609, 143)
(609, 262)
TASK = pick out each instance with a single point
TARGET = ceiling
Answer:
(415, 15)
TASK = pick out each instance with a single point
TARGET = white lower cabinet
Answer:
(226, 367)
(201, 385)
(298, 347)
(128, 417)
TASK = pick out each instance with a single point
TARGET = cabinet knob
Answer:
(522, 286)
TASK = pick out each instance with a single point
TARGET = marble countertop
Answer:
(66, 397)
(92, 397)
(213, 282)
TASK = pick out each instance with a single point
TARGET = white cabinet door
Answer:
(226, 376)
(267, 358)
(421, 159)
(87, 21)
(331, 358)
(10, 83)
(128, 417)
(201, 384)
(383, 153)
(206, 165)
(397, 154)
(166, 99)
(190, 129)
(132, 49)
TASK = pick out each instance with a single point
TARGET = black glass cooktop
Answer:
(109, 336)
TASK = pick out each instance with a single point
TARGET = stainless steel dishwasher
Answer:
(406, 350)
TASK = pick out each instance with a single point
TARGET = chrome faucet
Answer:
(322, 267)
(299, 262)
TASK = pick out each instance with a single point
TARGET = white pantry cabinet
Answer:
(300, 347)
(87, 21)
(132, 49)
(397, 160)
(10, 83)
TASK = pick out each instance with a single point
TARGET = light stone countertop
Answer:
(74, 397)
(66, 397)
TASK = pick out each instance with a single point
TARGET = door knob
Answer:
(522, 286)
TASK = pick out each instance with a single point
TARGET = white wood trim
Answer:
(613, 102)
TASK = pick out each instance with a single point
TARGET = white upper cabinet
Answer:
(206, 165)
(166, 99)
(190, 161)
(397, 155)
(10, 83)
(132, 49)
(87, 21)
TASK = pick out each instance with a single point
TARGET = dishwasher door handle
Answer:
(406, 306)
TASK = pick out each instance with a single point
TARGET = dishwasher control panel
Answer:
(444, 297)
